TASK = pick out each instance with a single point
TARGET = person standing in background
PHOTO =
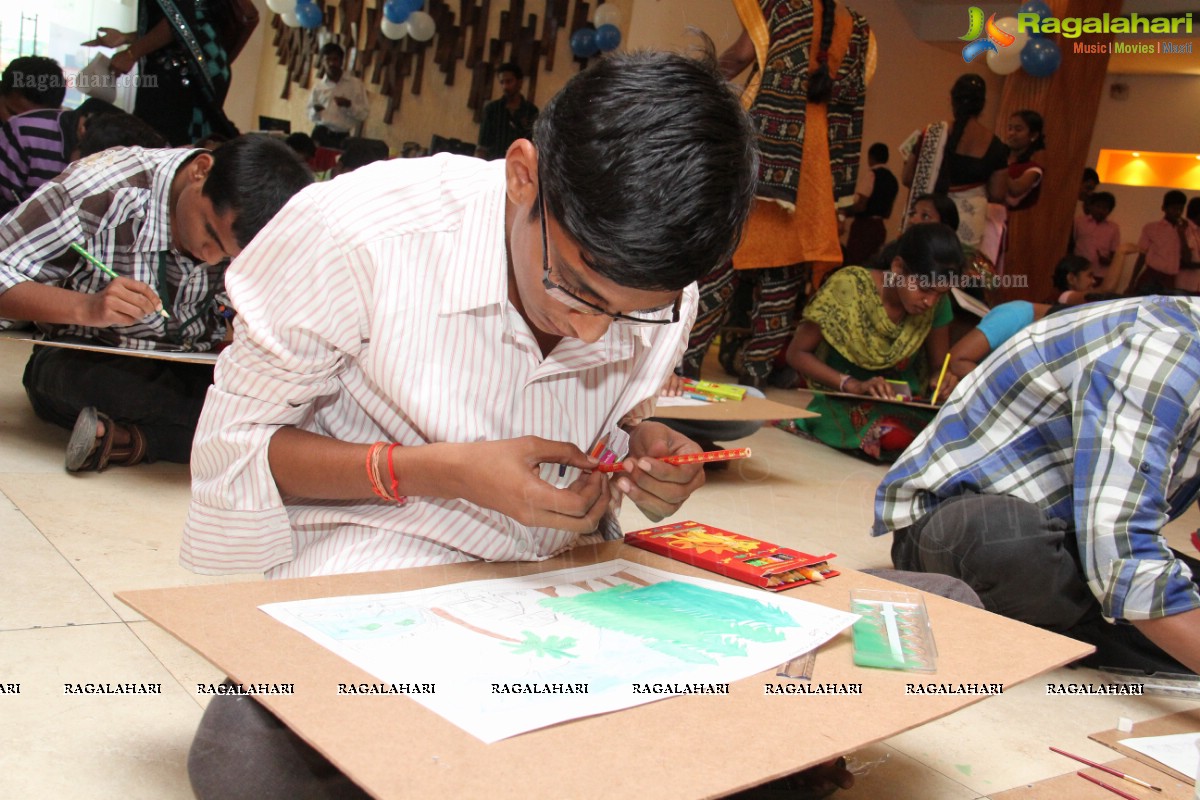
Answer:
(806, 94)
(507, 119)
(872, 208)
(183, 68)
(338, 102)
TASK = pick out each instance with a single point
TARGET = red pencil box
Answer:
(752, 561)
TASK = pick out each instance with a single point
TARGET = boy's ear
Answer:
(199, 166)
(521, 173)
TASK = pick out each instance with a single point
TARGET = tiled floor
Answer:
(69, 542)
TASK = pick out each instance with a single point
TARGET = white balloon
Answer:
(393, 30)
(607, 14)
(1004, 62)
(1007, 55)
(281, 6)
(290, 19)
(421, 26)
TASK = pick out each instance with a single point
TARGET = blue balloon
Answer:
(583, 43)
(395, 11)
(608, 37)
(410, 6)
(1040, 57)
(1035, 7)
(309, 14)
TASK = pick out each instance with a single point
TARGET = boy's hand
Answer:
(658, 489)
(948, 384)
(504, 476)
(124, 301)
(674, 386)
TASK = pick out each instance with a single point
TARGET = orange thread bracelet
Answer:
(392, 474)
(373, 470)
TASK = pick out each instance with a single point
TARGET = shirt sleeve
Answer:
(1131, 414)
(1146, 239)
(301, 316)
(313, 101)
(14, 170)
(35, 237)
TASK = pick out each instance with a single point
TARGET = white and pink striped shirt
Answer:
(375, 307)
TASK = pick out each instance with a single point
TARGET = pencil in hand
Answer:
(100, 265)
(689, 458)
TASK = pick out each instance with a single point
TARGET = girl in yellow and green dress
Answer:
(866, 326)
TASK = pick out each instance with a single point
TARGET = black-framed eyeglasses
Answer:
(578, 304)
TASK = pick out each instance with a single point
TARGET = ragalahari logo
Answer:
(976, 44)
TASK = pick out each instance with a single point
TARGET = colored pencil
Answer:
(100, 265)
(690, 458)
(1109, 770)
(937, 389)
(1111, 788)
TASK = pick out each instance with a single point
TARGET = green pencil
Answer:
(100, 265)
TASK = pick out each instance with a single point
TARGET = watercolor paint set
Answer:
(892, 631)
(753, 561)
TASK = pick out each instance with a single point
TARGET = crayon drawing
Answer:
(516, 654)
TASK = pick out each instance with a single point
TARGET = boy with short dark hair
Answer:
(424, 345)
(1096, 236)
(1163, 247)
(166, 222)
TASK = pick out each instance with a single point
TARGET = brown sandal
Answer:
(88, 452)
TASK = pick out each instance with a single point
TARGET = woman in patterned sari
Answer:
(184, 68)
(866, 327)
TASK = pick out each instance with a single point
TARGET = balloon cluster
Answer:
(405, 18)
(1038, 56)
(302, 14)
(605, 36)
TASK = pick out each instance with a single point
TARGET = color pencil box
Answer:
(762, 564)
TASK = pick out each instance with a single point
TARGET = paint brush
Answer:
(1111, 788)
(938, 389)
(100, 265)
(1109, 770)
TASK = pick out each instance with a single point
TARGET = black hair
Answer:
(878, 153)
(1193, 209)
(1174, 198)
(1090, 174)
(968, 96)
(105, 130)
(1104, 199)
(509, 66)
(302, 144)
(332, 48)
(648, 162)
(820, 82)
(943, 205)
(930, 251)
(1034, 122)
(1070, 265)
(38, 79)
(358, 152)
(255, 175)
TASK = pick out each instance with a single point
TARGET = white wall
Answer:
(1161, 114)
(244, 87)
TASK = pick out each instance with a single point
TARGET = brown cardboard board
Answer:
(849, 396)
(1072, 787)
(158, 355)
(1183, 722)
(749, 408)
(678, 747)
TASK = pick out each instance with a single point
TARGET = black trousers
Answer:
(1025, 566)
(163, 398)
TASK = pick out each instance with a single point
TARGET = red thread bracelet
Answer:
(392, 474)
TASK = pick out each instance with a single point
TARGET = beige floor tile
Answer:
(884, 773)
(1004, 740)
(26, 443)
(91, 746)
(186, 665)
(121, 529)
(41, 588)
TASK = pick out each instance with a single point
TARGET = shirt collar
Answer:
(155, 232)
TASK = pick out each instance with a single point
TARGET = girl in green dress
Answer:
(865, 327)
